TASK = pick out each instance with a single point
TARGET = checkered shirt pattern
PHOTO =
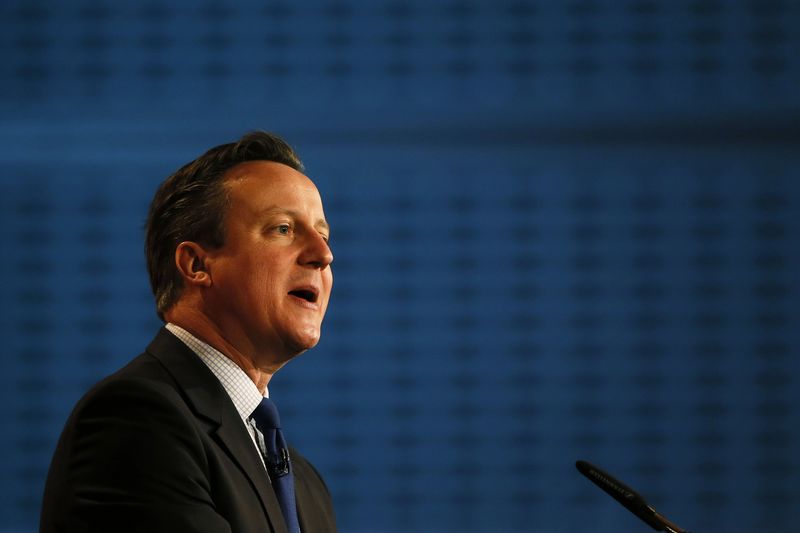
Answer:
(243, 392)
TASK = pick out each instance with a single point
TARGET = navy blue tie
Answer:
(276, 459)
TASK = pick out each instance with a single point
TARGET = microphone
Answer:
(278, 465)
(627, 497)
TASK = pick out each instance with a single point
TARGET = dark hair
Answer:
(190, 205)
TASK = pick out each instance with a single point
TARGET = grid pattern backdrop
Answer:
(563, 230)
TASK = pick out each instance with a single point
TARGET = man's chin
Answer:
(303, 343)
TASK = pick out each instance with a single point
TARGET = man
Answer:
(177, 441)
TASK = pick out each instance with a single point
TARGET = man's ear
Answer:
(190, 259)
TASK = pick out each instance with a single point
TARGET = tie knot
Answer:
(266, 415)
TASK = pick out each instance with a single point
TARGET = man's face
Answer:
(271, 280)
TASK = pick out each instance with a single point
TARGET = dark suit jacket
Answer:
(159, 447)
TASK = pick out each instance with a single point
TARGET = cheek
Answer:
(260, 288)
(268, 290)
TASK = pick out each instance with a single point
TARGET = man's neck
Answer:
(199, 325)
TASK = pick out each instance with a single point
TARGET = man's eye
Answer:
(284, 229)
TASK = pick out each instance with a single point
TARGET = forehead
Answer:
(256, 183)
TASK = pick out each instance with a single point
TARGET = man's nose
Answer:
(316, 253)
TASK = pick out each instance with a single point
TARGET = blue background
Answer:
(562, 230)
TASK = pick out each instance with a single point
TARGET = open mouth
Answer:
(309, 295)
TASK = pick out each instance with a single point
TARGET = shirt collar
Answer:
(243, 392)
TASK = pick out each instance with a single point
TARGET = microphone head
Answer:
(625, 495)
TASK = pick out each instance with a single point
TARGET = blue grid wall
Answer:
(562, 230)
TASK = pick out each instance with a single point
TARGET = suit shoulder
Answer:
(132, 422)
(133, 448)
(144, 379)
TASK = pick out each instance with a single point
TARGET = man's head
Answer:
(239, 236)
(190, 205)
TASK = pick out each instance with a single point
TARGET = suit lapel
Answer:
(210, 401)
(241, 450)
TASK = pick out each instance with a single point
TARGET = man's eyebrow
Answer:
(278, 210)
